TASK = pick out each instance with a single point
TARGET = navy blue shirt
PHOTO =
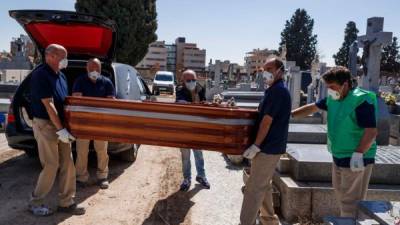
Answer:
(101, 89)
(365, 116)
(46, 83)
(277, 104)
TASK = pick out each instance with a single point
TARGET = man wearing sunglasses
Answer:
(190, 91)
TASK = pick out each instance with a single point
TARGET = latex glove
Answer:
(251, 152)
(357, 162)
(65, 136)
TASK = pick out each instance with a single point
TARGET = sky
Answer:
(228, 29)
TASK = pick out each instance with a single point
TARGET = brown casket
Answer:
(199, 126)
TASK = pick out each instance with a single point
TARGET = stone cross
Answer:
(372, 44)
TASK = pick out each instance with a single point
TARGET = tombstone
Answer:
(315, 66)
(304, 181)
(372, 44)
(283, 52)
(353, 51)
(288, 65)
(260, 81)
(313, 163)
(217, 81)
(295, 86)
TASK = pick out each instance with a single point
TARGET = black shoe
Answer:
(81, 184)
(103, 183)
(203, 181)
(185, 185)
(72, 209)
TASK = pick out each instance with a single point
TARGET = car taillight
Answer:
(10, 118)
(10, 115)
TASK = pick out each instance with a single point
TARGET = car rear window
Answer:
(162, 77)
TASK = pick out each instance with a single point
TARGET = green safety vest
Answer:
(344, 134)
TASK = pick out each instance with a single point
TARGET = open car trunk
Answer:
(84, 36)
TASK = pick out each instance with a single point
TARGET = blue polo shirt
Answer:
(277, 104)
(45, 83)
(102, 88)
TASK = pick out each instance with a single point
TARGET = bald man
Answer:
(189, 91)
(270, 144)
(92, 84)
(48, 91)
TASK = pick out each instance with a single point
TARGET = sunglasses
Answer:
(189, 81)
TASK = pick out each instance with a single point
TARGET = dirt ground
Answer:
(144, 192)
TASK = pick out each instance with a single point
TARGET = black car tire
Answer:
(130, 155)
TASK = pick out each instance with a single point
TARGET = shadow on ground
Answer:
(17, 180)
(174, 209)
(233, 166)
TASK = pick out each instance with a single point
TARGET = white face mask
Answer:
(335, 95)
(269, 78)
(94, 75)
(63, 63)
(190, 85)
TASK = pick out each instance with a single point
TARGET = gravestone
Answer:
(260, 81)
(307, 133)
(372, 44)
(315, 74)
(314, 163)
(295, 85)
(216, 89)
(353, 51)
(322, 90)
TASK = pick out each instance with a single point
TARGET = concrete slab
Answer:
(384, 212)
(314, 162)
(254, 96)
(315, 200)
(395, 129)
(307, 133)
(314, 119)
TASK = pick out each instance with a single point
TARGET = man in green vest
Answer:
(351, 136)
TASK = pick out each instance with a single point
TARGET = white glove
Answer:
(357, 162)
(251, 152)
(65, 136)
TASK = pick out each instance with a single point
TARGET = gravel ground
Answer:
(145, 192)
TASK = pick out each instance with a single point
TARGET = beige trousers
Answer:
(258, 191)
(82, 151)
(54, 156)
(350, 188)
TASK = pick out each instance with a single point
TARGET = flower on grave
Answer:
(390, 99)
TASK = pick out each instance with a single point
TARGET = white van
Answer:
(164, 81)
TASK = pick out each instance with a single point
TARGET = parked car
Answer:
(84, 36)
(164, 81)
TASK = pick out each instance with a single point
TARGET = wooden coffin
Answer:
(198, 126)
